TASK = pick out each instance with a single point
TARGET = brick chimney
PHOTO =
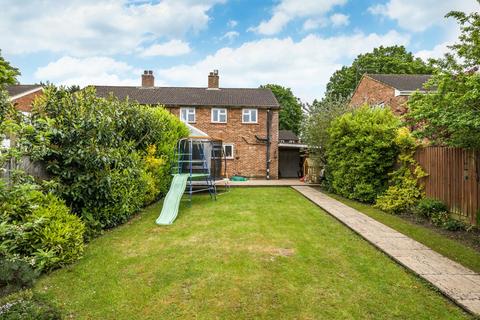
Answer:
(213, 80)
(148, 80)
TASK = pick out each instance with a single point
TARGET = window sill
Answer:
(250, 123)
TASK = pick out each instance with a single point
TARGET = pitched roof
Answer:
(402, 82)
(184, 96)
(20, 89)
(287, 135)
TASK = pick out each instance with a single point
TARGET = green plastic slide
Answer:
(172, 200)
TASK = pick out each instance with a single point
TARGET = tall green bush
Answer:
(96, 150)
(361, 152)
(404, 189)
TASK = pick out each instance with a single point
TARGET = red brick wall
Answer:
(373, 92)
(249, 154)
(25, 103)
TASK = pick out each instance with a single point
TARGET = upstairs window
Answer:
(219, 115)
(187, 115)
(249, 115)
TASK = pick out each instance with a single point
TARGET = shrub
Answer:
(16, 274)
(38, 228)
(404, 190)
(429, 207)
(97, 151)
(361, 152)
(26, 305)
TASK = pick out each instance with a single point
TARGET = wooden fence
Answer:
(454, 178)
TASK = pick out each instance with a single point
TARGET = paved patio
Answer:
(460, 284)
(266, 183)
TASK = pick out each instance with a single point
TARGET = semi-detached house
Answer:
(245, 119)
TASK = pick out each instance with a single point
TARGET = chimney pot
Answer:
(148, 80)
(213, 80)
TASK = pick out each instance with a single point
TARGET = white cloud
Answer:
(94, 27)
(305, 66)
(419, 15)
(168, 49)
(340, 20)
(230, 35)
(436, 52)
(232, 23)
(84, 71)
(335, 20)
(287, 10)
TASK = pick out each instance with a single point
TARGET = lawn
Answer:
(450, 248)
(255, 253)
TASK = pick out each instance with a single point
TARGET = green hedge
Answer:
(361, 152)
(97, 150)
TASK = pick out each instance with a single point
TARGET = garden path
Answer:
(460, 284)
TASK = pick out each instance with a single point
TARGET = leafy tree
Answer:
(450, 114)
(361, 152)
(8, 74)
(290, 117)
(320, 116)
(393, 59)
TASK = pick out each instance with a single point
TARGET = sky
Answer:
(294, 43)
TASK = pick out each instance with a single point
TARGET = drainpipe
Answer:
(269, 124)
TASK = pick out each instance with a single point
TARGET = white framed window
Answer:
(219, 115)
(5, 144)
(187, 115)
(249, 115)
(379, 105)
(228, 150)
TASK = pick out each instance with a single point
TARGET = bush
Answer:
(361, 152)
(26, 305)
(429, 207)
(38, 228)
(97, 150)
(404, 190)
(16, 274)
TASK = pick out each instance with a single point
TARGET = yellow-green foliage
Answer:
(404, 190)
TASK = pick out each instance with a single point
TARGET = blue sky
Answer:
(298, 44)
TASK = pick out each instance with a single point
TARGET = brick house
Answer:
(23, 95)
(245, 119)
(392, 90)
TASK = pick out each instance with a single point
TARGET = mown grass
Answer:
(448, 247)
(260, 253)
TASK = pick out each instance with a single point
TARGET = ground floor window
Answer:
(228, 150)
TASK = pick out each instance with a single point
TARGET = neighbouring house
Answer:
(291, 155)
(388, 90)
(23, 95)
(245, 119)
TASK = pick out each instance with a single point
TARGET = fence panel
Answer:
(454, 178)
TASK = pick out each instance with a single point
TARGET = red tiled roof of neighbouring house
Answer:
(16, 90)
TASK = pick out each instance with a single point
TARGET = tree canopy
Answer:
(393, 59)
(8, 74)
(290, 117)
(450, 113)
(316, 126)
